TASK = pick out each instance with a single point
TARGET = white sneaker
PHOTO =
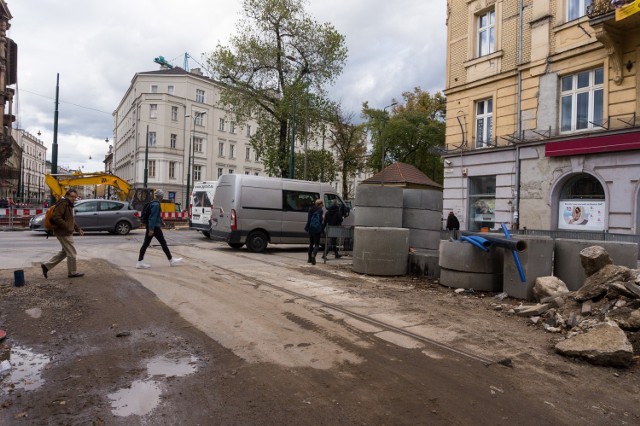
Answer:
(175, 261)
(141, 265)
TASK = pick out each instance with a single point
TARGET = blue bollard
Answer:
(18, 278)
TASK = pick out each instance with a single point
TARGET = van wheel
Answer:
(235, 245)
(206, 234)
(123, 227)
(257, 241)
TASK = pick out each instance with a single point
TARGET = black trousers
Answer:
(314, 243)
(157, 233)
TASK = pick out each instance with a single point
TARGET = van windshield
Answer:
(201, 199)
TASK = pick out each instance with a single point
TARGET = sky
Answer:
(98, 46)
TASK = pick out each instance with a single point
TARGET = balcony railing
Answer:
(602, 7)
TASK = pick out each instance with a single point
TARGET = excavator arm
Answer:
(59, 184)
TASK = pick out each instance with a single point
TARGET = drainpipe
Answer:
(516, 212)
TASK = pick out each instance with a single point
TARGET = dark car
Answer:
(116, 217)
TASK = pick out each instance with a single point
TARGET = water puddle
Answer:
(144, 395)
(140, 398)
(24, 369)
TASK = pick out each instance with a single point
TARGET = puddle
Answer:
(144, 395)
(26, 369)
(140, 398)
(172, 364)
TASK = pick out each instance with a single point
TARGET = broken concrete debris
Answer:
(596, 320)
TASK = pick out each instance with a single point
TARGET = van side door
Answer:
(295, 210)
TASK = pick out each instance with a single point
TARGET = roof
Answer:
(402, 174)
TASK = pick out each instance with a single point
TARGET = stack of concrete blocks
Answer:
(536, 261)
(567, 264)
(380, 244)
(422, 215)
(463, 265)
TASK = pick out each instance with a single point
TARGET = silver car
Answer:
(116, 217)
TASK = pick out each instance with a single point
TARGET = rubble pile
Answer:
(597, 321)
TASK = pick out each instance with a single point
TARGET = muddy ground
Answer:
(104, 335)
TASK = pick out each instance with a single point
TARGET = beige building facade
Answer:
(543, 105)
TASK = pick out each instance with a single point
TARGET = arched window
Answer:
(582, 204)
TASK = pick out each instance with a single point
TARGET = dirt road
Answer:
(237, 338)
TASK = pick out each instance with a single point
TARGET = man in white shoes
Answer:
(154, 229)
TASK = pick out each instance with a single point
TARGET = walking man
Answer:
(153, 229)
(314, 228)
(333, 218)
(63, 227)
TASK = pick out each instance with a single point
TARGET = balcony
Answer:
(611, 33)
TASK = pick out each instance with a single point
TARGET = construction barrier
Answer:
(21, 212)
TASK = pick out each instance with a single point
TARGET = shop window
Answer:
(482, 202)
(582, 204)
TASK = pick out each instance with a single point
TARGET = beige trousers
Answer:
(68, 251)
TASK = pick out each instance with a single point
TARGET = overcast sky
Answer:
(97, 47)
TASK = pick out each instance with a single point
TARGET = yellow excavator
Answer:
(137, 197)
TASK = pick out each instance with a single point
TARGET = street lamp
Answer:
(384, 124)
(193, 132)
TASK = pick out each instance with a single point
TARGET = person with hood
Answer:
(314, 228)
(453, 224)
(64, 225)
(154, 229)
(333, 217)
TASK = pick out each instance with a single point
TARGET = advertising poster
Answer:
(581, 215)
(626, 8)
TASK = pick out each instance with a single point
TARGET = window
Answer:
(247, 153)
(482, 202)
(220, 171)
(200, 95)
(484, 123)
(582, 100)
(248, 130)
(152, 138)
(221, 149)
(172, 169)
(486, 33)
(197, 144)
(257, 156)
(298, 201)
(577, 8)
(246, 172)
(221, 125)
(152, 168)
(110, 206)
(197, 173)
(153, 111)
(174, 138)
(87, 207)
(174, 113)
(170, 89)
(199, 120)
(230, 171)
(154, 88)
(232, 151)
(232, 127)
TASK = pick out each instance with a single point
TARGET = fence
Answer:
(341, 235)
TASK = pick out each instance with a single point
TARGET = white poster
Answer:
(581, 215)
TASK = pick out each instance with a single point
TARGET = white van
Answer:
(201, 203)
(258, 210)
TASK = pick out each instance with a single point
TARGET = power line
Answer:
(65, 102)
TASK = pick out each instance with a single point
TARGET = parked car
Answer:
(116, 217)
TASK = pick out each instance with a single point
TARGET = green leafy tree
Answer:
(413, 133)
(278, 65)
(349, 142)
(321, 166)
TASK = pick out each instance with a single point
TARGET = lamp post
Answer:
(193, 132)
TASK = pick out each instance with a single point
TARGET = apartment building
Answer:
(31, 188)
(543, 99)
(188, 135)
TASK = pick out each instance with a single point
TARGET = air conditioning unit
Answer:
(465, 171)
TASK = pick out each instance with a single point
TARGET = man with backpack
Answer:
(63, 225)
(314, 228)
(151, 215)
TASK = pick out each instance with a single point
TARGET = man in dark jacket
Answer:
(314, 229)
(154, 229)
(63, 227)
(333, 218)
(453, 224)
